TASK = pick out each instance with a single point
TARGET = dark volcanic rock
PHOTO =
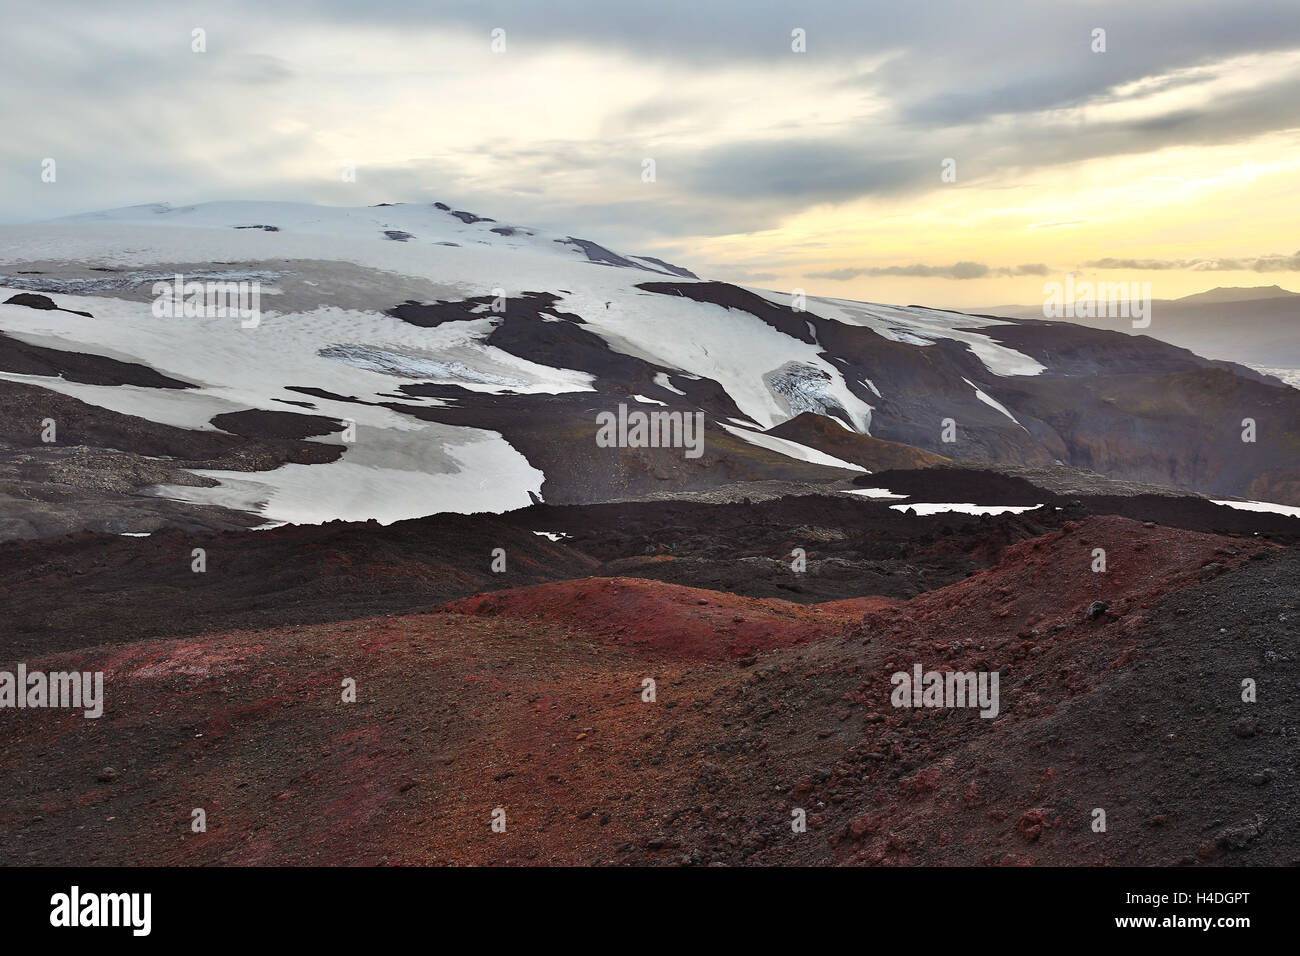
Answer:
(782, 318)
(324, 393)
(303, 573)
(99, 471)
(669, 267)
(598, 253)
(260, 423)
(432, 315)
(32, 301)
(43, 302)
(24, 359)
(978, 487)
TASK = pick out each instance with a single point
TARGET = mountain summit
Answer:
(1238, 294)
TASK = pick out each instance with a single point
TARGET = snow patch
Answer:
(783, 446)
(873, 493)
(992, 402)
(931, 508)
(663, 381)
(1266, 506)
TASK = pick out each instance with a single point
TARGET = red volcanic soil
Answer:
(664, 619)
(856, 607)
(1045, 585)
(532, 701)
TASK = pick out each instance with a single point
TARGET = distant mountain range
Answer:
(1257, 326)
(1238, 294)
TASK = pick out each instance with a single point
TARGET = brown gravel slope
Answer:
(1135, 710)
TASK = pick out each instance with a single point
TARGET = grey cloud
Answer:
(253, 68)
(802, 170)
(955, 66)
(995, 39)
(734, 273)
(1267, 263)
(651, 114)
(958, 270)
(891, 161)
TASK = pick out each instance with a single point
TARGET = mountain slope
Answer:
(532, 699)
(421, 359)
(1258, 327)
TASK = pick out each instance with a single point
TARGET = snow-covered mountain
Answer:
(433, 224)
(409, 359)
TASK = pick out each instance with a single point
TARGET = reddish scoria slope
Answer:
(666, 620)
(1119, 710)
(1043, 587)
(459, 714)
(454, 717)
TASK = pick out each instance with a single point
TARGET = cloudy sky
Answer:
(1171, 157)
